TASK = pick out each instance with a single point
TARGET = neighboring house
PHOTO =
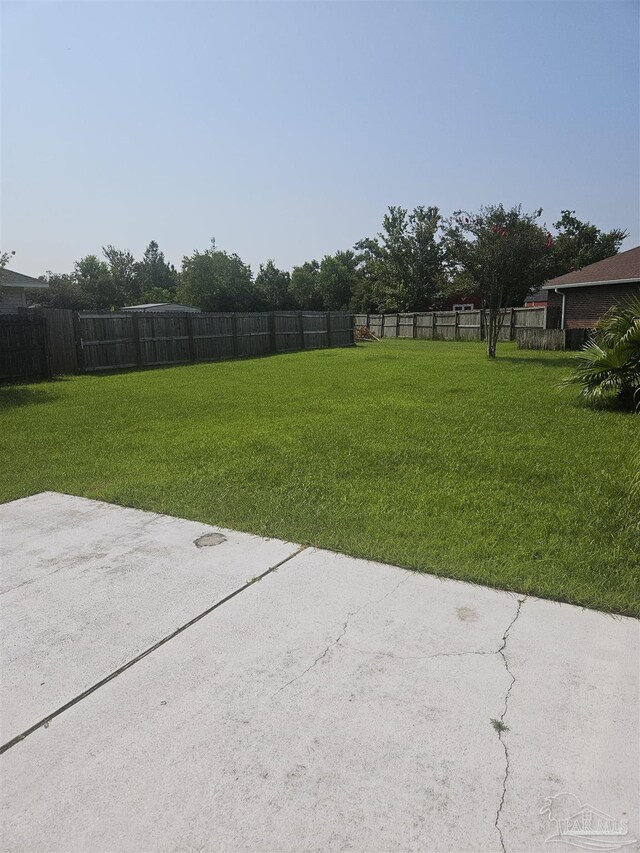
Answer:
(461, 303)
(536, 300)
(583, 296)
(12, 290)
(161, 306)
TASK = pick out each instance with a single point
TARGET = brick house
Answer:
(583, 296)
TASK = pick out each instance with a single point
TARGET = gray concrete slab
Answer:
(86, 586)
(340, 704)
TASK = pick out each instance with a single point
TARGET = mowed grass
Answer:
(422, 454)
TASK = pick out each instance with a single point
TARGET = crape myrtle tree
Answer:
(505, 252)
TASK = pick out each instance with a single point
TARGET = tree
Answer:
(155, 276)
(404, 262)
(504, 252)
(336, 279)
(5, 257)
(64, 291)
(272, 287)
(579, 244)
(216, 281)
(124, 276)
(304, 286)
(94, 279)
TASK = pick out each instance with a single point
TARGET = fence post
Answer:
(301, 325)
(456, 325)
(136, 337)
(329, 327)
(512, 325)
(415, 324)
(433, 325)
(192, 349)
(272, 331)
(77, 334)
(398, 325)
(234, 332)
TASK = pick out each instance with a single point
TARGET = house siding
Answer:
(11, 299)
(586, 305)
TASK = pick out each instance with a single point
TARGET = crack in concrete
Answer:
(420, 657)
(501, 652)
(336, 642)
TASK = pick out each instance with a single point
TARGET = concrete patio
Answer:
(163, 691)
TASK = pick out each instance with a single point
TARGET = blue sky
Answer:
(285, 129)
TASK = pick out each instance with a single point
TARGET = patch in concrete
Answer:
(210, 539)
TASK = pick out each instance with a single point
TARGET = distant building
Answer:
(583, 296)
(162, 306)
(537, 299)
(458, 302)
(12, 290)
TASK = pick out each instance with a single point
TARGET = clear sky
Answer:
(285, 129)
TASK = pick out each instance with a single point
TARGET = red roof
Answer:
(622, 267)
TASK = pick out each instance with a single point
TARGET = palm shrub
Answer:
(608, 366)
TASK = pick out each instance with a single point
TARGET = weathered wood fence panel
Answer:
(63, 357)
(23, 347)
(111, 340)
(456, 325)
(552, 339)
(340, 332)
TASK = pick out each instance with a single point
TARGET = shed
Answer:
(585, 295)
(12, 290)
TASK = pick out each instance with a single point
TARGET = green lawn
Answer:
(423, 454)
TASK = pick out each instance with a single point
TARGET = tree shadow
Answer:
(13, 396)
(564, 361)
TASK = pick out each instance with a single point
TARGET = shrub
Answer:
(608, 366)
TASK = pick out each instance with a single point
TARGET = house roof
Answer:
(621, 268)
(538, 296)
(11, 278)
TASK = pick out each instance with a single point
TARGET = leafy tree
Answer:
(504, 252)
(579, 244)
(5, 257)
(64, 291)
(124, 276)
(94, 280)
(304, 286)
(404, 262)
(336, 279)
(154, 274)
(216, 281)
(273, 288)
(608, 366)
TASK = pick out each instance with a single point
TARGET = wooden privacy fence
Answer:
(456, 325)
(552, 339)
(44, 341)
(23, 347)
(107, 341)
